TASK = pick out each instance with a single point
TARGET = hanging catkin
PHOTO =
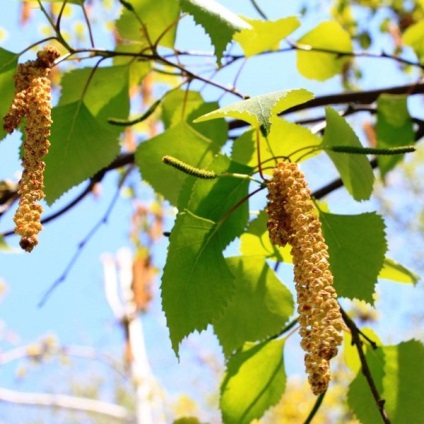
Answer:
(292, 219)
(32, 102)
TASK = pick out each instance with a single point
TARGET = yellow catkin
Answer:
(32, 102)
(292, 220)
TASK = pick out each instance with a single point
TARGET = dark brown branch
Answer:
(358, 97)
(356, 340)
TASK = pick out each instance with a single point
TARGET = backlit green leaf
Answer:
(80, 146)
(111, 80)
(394, 128)
(259, 110)
(255, 381)
(218, 199)
(158, 25)
(357, 248)
(360, 397)
(398, 373)
(196, 283)
(322, 65)
(394, 271)
(265, 35)
(414, 38)
(255, 241)
(217, 21)
(182, 142)
(286, 139)
(355, 170)
(8, 66)
(258, 291)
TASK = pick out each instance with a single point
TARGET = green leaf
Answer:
(394, 128)
(404, 376)
(398, 373)
(355, 170)
(414, 38)
(182, 142)
(394, 271)
(357, 246)
(259, 110)
(181, 105)
(285, 139)
(319, 65)
(187, 420)
(255, 381)
(217, 21)
(259, 308)
(137, 69)
(216, 199)
(80, 146)
(8, 61)
(161, 24)
(196, 283)
(265, 35)
(350, 352)
(178, 104)
(111, 80)
(8, 66)
(255, 241)
(360, 397)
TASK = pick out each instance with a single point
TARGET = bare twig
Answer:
(83, 242)
(75, 403)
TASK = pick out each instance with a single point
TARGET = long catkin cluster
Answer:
(292, 219)
(32, 101)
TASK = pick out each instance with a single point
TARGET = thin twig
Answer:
(83, 242)
(356, 340)
(258, 9)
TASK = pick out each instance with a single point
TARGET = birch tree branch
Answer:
(75, 403)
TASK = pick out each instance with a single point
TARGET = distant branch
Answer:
(75, 403)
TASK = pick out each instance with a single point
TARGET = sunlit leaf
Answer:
(222, 200)
(350, 352)
(196, 283)
(255, 241)
(286, 139)
(80, 146)
(181, 142)
(265, 35)
(394, 271)
(217, 21)
(259, 110)
(255, 381)
(159, 26)
(355, 170)
(397, 372)
(258, 291)
(111, 80)
(360, 397)
(357, 247)
(414, 38)
(394, 128)
(322, 65)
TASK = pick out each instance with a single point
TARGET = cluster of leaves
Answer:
(242, 297)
